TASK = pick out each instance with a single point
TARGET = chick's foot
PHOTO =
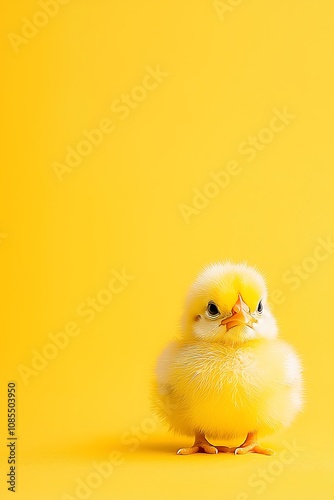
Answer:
(201, 445)
(250, 445)
(253, 448)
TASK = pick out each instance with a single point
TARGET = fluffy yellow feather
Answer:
(228, 376)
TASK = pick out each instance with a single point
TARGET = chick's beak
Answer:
(240, 316)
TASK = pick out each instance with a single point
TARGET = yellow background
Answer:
(120, 209)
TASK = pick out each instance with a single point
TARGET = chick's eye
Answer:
(260, 307)
(212, 309)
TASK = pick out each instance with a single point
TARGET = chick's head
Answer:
(228, 303)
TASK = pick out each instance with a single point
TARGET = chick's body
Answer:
(229, 375)
(228, 391)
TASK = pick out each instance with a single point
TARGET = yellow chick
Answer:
(228, 376)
